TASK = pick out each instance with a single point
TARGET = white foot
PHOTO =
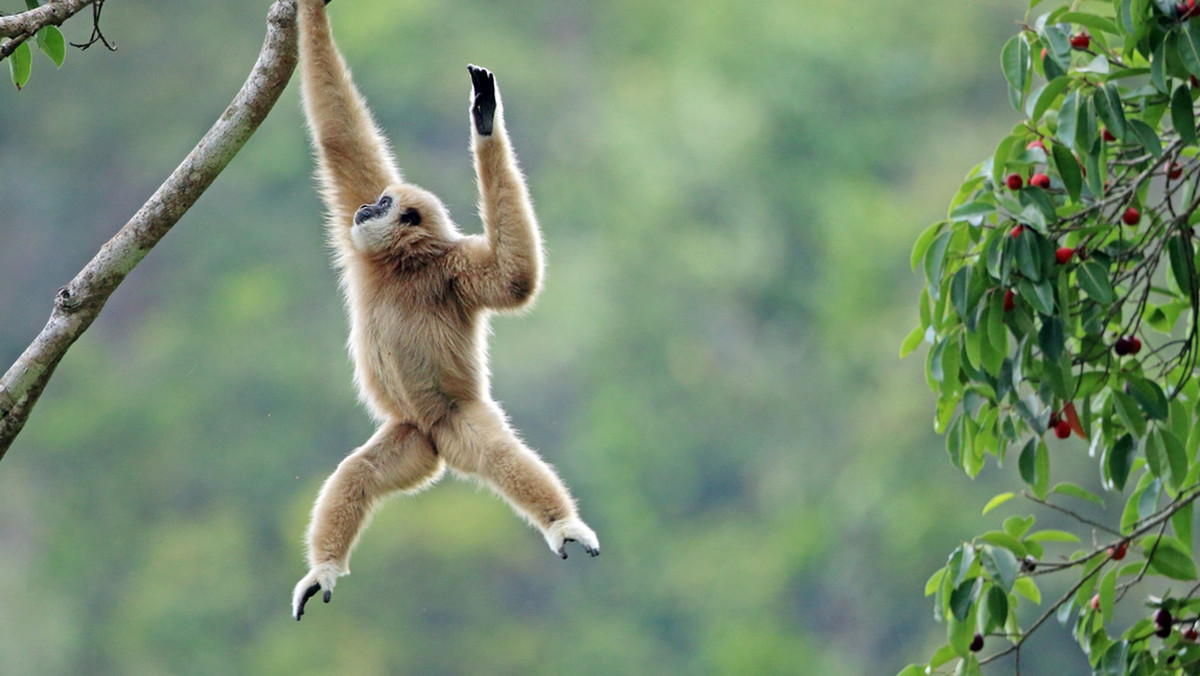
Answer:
(323, 576)
(571, 529)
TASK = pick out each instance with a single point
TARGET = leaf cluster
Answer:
(1061, 298)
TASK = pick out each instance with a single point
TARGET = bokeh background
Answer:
(729, 192)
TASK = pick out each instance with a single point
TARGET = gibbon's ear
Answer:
(410, 216)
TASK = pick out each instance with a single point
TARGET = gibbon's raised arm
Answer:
(354, 164)
(507, 261)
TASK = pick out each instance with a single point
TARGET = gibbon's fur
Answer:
(419, 294)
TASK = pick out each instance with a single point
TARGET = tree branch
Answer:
(79, 302)
(21, 27)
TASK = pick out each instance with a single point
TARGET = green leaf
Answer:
(1001, 565)
(935, 258)
(1181, 523)
(1026, 462)
(1051, 338)
(19, 64)
(1093, 278)
(1067, 116)
(922, 244)
(1047, 95)
(1189, 48)
(1108, 107)
(1028, 588)
(997, 501)
(1120, 460)
(1149, 396)
(1127, 409)
(1108, 591)
(1068, 170)
(1177, 458)
(1181, 255)
(1071, 490)
(1183, 117)
(50, 40)
(1085, 124)
(1000, 159)
(1002, 539)
(972, 211)
(1098, 24)
(1146, 136)
(1171, 559)
(963, 597)
(996, 605)
(1014, 60)
(1051, 535)
(911, 341)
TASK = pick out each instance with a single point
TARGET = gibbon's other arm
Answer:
(354, 164)
(505, 264)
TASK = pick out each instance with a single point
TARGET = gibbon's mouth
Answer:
(371, 211)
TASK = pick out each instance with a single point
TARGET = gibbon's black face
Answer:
(367, 212)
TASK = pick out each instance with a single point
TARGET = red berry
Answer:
(1036, 144)
(1017, 230)
(1174, 171)
(1107, 135)
(1014, 181)
(1191, 634)
(1040, 180)
(1193, 81)
(1096, 602)
(1162, 622)
(1064, 254)
(1010, 300)
(977, 643)
(1123, 346)
(1131, 216)
(1063, 429)
(1081, 40)
(1118, 552)
(1135, 345)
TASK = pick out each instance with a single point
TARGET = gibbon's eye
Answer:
(384, 202)
(410, 217)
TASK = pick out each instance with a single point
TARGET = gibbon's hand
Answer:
(483, 100)
(572, 529)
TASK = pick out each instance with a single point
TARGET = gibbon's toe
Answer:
(298, 605)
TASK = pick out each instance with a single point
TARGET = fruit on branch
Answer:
(1096, 602)
(1107, 135)
(1123, 346)
(1162, 622)
(1174, 171)
(1036, 144)
(1010, 300)
(1017, 230)
(977, 643)
(1062, 430)
(1131, 216)
(1064, 254)
(1040, 180)
(1135, 345)
(1014, 181)
(1081, 40)
(1117, 552)
(1191, 634)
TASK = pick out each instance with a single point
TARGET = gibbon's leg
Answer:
(353, 159)
(476, 440)
(397, 458)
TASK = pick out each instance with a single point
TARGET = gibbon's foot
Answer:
(572, 529)
(324, 576)
(483, 99)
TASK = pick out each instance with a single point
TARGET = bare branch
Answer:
(79, 302)
(53, 13)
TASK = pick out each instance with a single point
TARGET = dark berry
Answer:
(1010, 300)
(1117, 552)
(1014, 181)
(1123, 346)
(1174, 171)
(1107, 135)
(1081, 40)
(1162, 618)
(1064, 254)
(1063, 429)
(977, 643)
(1131, 216)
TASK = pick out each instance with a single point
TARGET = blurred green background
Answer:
(729, 193)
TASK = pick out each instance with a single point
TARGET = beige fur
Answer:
(418, 298)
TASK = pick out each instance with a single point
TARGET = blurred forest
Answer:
(729, 194)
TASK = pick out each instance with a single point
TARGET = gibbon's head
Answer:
(403, 221)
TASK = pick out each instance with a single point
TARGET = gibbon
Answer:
(418, 295)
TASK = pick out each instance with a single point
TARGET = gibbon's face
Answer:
(401, 219)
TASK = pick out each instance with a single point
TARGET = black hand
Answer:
(483, 102)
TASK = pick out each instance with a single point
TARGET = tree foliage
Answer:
(1061, 299)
